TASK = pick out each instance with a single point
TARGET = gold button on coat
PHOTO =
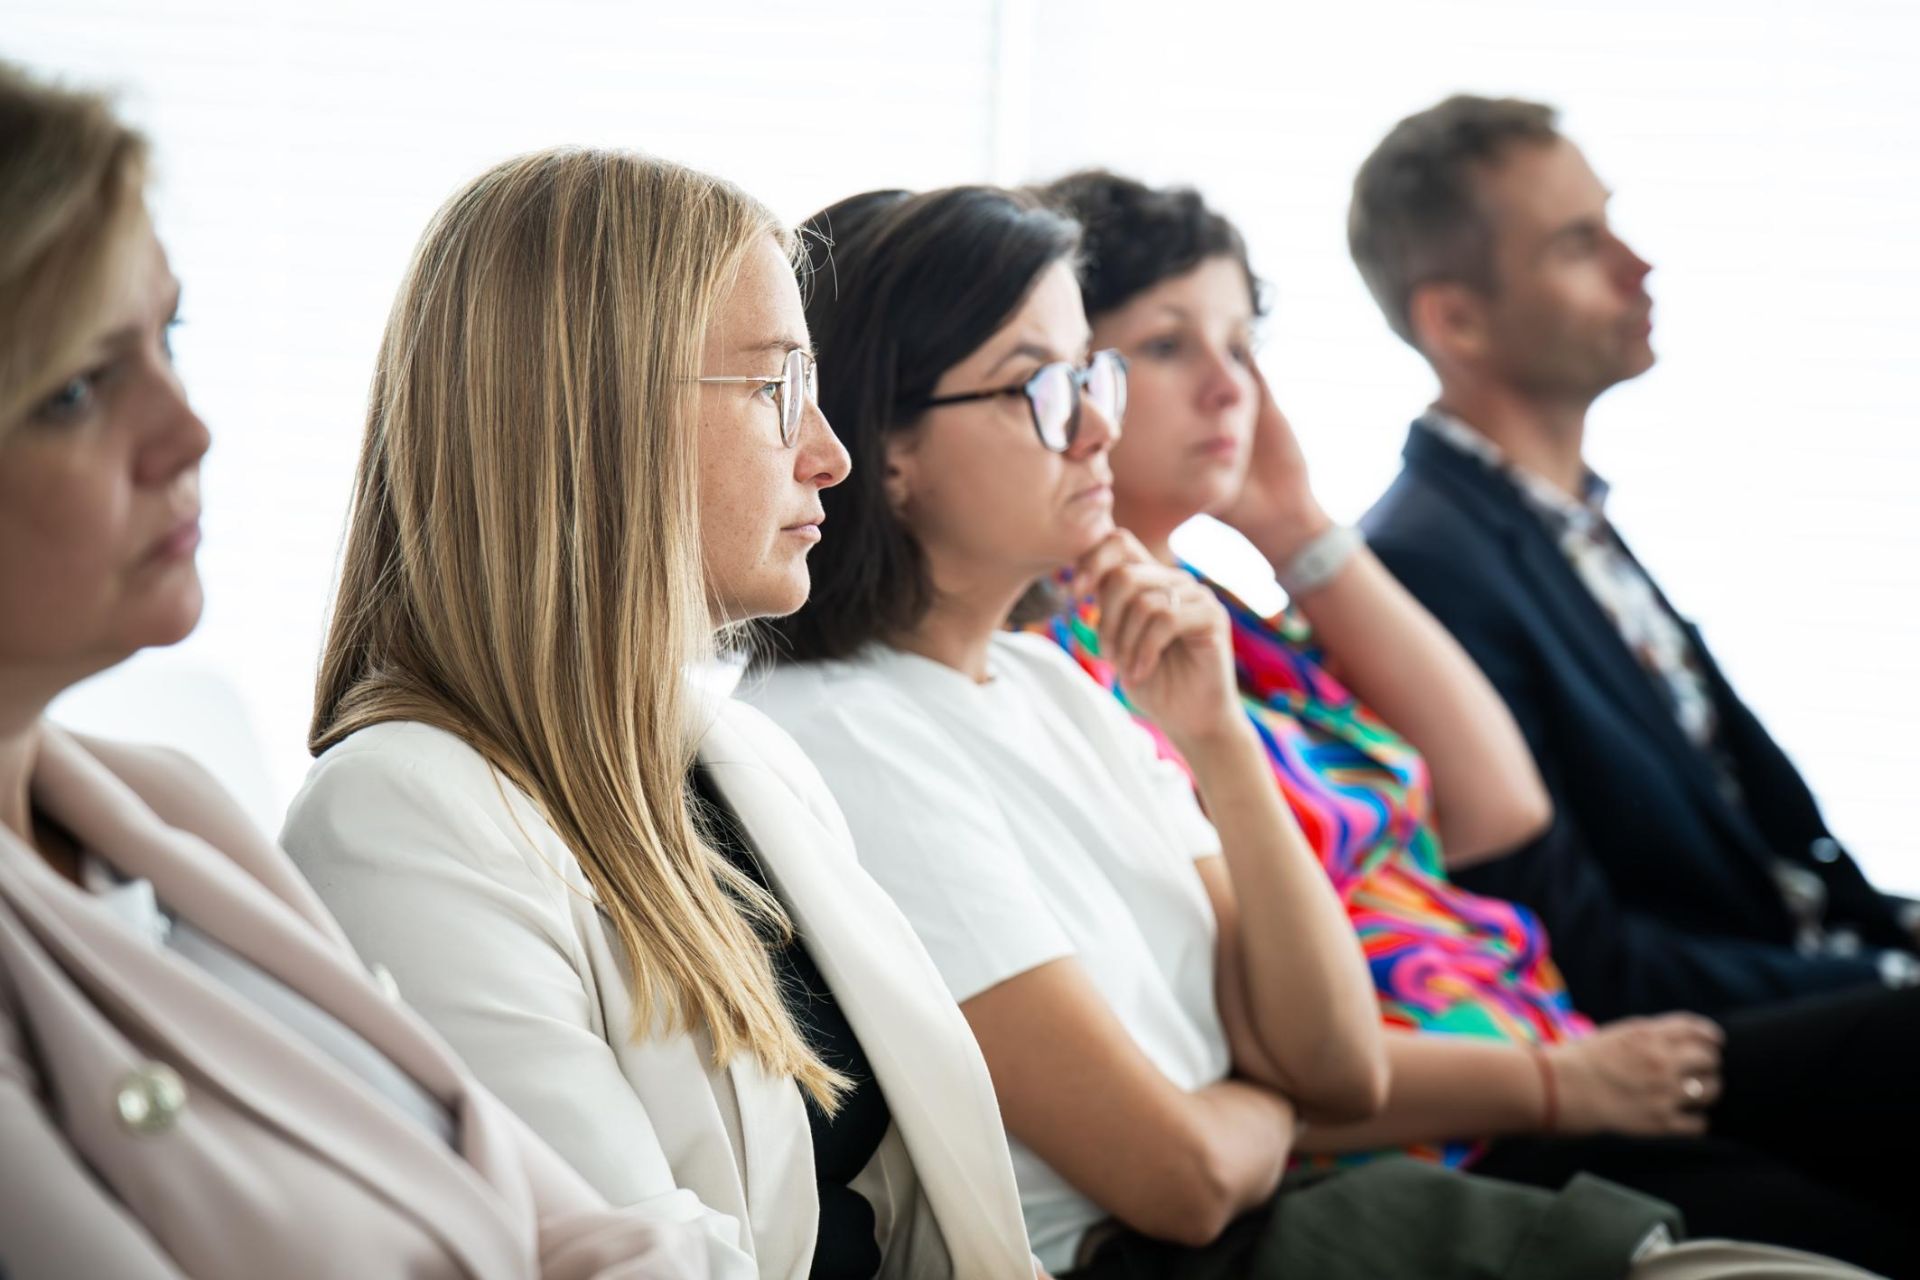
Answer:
(151, 1096)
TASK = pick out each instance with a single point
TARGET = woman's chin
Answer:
(171, 619)
(786, 596)
(1214, 492)
(1099, 525)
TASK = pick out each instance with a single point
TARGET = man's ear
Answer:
(1450, 323)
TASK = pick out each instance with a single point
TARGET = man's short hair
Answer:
(1416, 217)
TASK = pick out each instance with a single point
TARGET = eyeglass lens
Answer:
(1055, 393)
(1056, 405)
(800, 388)
(1106, 383)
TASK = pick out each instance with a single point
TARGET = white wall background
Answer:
(1766, 156)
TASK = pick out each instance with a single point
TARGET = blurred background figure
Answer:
(1689, 866)
(198, 1077)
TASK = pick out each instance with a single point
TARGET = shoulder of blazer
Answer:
(737, 734)
(1460, 485)
(182, 794)
(437, 775)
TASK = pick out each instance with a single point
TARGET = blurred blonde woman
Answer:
(592, 447)
(197, 1076)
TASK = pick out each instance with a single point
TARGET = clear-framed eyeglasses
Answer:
(793, 390)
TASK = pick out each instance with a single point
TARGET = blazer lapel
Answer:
(1698, 770)
(245, 1056)
(922, 1051)
(1578, 619)
(1550, 581)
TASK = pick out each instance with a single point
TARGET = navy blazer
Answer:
(1656, 889)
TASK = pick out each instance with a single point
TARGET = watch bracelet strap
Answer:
(1317, 563)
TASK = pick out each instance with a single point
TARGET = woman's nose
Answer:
(822, 460)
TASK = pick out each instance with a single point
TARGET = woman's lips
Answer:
(806, 529)
(178, 542)
(1218, 447)
(1102, 492)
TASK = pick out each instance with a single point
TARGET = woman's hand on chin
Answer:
(1167, 638)
(1275, 508)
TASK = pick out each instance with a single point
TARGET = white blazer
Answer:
(154, 1126)
(443, 871)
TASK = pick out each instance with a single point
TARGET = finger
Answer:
(1689, 1124)
(1695, 1027)
(1695, 1054)
(1112, 552)
(1130, 597)
(1696, 1092)
(1116, 585)
(1151, 645)
(1676, 1034)
(1086, 573)
(1194, 616)
(1698, 1060)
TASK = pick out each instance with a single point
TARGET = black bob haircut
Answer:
(902, 287)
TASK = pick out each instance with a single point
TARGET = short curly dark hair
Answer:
(1134, 236)
(1416, 216)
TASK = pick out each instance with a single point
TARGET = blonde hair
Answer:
(523, 566)
(71, 185)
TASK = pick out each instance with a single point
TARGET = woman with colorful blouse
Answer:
(1442, 959)
(1492, 1067)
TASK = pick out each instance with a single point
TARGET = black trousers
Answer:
(1810, 1146)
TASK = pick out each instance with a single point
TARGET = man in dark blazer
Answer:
(1688, 865)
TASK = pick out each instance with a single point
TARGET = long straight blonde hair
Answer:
(523, 567)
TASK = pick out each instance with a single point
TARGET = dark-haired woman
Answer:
(1162, 999)
(1405, 752)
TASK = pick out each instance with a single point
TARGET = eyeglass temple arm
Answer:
(966, 397)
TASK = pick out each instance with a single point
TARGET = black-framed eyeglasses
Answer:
(794, 389)
(1053, 396)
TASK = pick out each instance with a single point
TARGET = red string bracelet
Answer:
(1550, 1114)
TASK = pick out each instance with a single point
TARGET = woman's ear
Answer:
(897, 468)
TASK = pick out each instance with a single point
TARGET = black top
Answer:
(844, 1143)
(1656, 887)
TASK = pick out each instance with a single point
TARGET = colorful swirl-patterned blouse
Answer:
(1443, 960)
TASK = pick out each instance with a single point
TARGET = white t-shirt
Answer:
(1016, 822)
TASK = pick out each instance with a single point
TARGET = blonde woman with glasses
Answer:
(592, 452)
(197, 1076)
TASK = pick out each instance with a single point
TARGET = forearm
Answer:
(1444, 1088)
(1251, 1132)
(1295, 959)
(1223, 1154)
(1403, 664)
